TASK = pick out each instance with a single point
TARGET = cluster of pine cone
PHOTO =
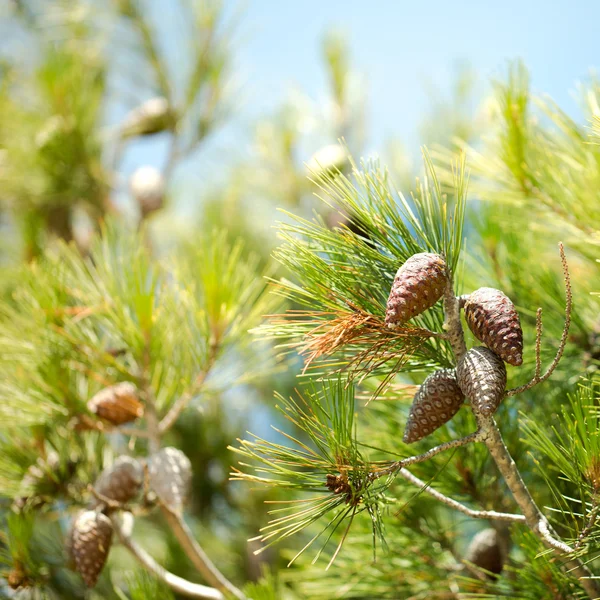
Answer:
(166, 474)
(481, 374)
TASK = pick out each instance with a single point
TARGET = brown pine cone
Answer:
(90, 542)
(122, 481)
(493, 319)
(482, 378)
(117, 404)
(170, 473)
(438, 399)
(488, 550)
(418, 285)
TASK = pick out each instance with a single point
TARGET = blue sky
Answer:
(399, 46)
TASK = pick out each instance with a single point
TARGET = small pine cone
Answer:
(488, 551)
(170, 473)
(147, 186)
(482, 378)
(122, 481)
(117, 404)
(418, 285)
(438, 399)
(90, 543)
(493, 319)
(152, 116)
(329, 161)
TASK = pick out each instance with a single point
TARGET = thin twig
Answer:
(177, 584)
(592, 518)
(565, 334)
(197, 555)
(108, 502)
(411, 460)
(546, 533)
(539, 330)
(475, 514)
(181, 403)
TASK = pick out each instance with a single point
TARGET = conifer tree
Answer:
(442, 439)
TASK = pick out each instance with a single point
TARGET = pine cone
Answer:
(117, 404)
(418, 285)
(329, 161)
(122, 481)
(438, 399)
(482, 378)
(488, 551)
(493, 319)
(170, 473)
(147, 186)
(152, 116)
(91, 538)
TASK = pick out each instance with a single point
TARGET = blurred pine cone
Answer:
(170, 473)
(117, 404)
(481, 376)
(147, 186)
(493, 319)
(152, 116)
(438, 399)
(122, 481)
(488, 550)
(91, 538)
(418, 285)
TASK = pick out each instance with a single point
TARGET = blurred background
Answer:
(182, 117)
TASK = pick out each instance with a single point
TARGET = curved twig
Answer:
(475, 514)
(563, 340)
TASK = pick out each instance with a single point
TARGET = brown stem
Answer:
(411, 460)
(592, 518)
(452, 324)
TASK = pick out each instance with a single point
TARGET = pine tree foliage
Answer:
(384, 518)
(75, 325)
(344, 277)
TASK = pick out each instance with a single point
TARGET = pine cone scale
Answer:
(481, 376)
(493, 320)
(117, 403)
(418, 285)
(438, 399)
(90, 542)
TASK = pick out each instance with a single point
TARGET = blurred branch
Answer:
(196, 554)
(178, 584)
(181, 403)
